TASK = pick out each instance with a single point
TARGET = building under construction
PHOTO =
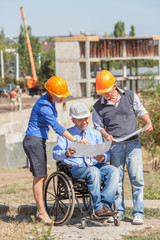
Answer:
(80, 57)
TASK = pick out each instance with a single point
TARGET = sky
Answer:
(62, 17)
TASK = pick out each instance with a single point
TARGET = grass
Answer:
(149, 212)
(151, 189)
(19, 190)
(154, 235)
(9, 190)
(148, 233)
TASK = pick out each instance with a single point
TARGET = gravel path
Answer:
(100, 231)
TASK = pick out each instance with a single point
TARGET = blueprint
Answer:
(93, 150)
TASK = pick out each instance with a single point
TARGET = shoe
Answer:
(119, 217)
(137, 220)
(40, 217)
(109, 209)
(104, 212)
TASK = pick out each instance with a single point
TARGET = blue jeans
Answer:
(94, 174)
(129, 153)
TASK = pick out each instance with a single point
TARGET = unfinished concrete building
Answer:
(80, 57)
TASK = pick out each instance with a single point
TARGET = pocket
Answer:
(116, 148)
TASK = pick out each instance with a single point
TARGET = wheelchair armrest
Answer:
(64, 168)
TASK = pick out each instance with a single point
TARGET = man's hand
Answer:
(106, 135)
(109, 137)
(70, 152)
(99, 158)
(146, 119)
(149, 128)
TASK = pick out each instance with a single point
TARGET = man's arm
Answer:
(146, 119)
(141, 112)
(106, 135)
(98, 125)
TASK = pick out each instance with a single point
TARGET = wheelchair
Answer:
(60, 193)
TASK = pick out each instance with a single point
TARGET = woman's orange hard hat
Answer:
(57, 86)
(104, 81)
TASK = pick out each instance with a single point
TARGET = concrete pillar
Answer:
(2, 65)
(17, 66)
(127, 85)
(136, 65)
(124, 48)
(124, 62)
(134, 86)
(88, 70)
(3, 162)
(124, 69)
(130, 68)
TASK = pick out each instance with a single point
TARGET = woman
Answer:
(43, 114)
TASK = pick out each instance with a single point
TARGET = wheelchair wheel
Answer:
(116, 222)
(86, 200)
(59, 197)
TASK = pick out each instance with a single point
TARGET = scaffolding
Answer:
(114, 48)
(79, 58)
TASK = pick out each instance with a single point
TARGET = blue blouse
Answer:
(43, 114)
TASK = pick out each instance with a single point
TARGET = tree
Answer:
(119, 29)
(50, 39)
(25, 66)
(47, 68)
(132, 32)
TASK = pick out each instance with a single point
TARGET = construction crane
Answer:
(32, 84)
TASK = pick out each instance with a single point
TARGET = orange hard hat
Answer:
(57, 86)
(104, 81)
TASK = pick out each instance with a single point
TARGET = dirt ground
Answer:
(16, 187)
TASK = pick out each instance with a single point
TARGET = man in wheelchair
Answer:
(93, 169)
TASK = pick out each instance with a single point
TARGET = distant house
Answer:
(48, 45)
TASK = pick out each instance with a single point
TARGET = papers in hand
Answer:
(130, 135)
(91, 150)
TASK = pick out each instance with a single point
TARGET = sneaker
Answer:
(137, 220)
(119, 216)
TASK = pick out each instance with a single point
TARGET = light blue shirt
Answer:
(93, 137)
(43, 114)
(137, 106)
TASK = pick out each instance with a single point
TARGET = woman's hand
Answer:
(83, 141)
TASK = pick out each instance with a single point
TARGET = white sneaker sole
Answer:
(137, 223)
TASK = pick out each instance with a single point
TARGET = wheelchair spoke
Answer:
(54, 185)
(51, 194)
(59, 197)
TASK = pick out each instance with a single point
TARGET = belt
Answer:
(136, 137)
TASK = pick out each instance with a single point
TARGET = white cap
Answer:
(17, 86)
(79, 110)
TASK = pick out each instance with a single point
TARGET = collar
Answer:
(79, 131)
(46, 96)
(121, 92)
